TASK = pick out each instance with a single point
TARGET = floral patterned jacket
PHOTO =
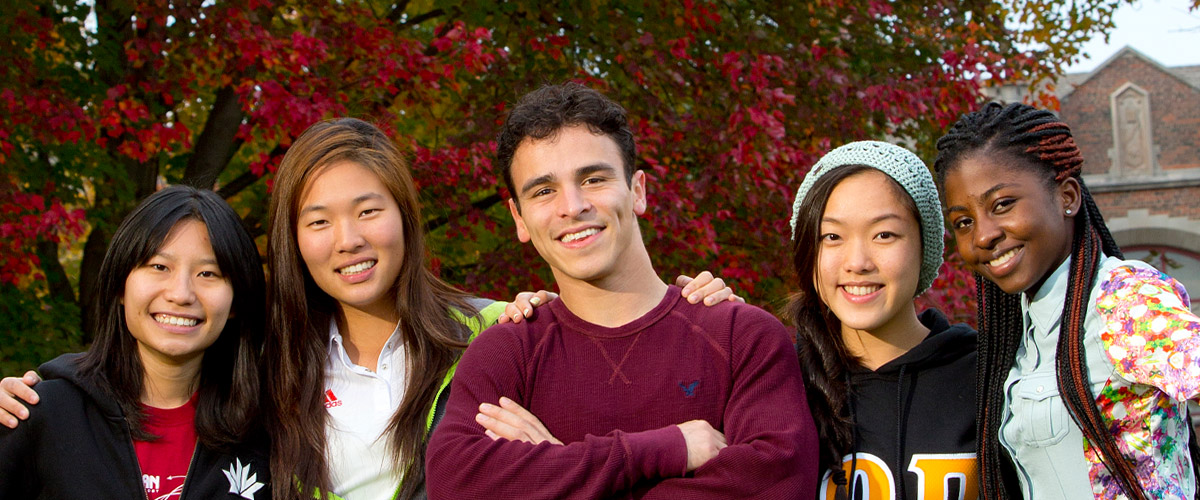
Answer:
(1153, 341)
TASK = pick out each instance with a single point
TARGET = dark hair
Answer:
(228, 394)
(1039, 140)
(542, 113)
(297, 346)
(824, 358)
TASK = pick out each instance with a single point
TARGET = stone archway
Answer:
(1177, 239)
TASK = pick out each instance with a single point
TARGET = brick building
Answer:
(1138, 126)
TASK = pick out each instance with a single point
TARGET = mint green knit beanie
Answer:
(910, 173)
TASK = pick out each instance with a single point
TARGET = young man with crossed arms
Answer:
(637, 393)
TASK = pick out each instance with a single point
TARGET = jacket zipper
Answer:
(138, 465)
(141, 481)
(188, 474)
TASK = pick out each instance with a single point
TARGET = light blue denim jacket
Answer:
(1050, 453)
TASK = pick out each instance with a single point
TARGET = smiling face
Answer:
(351, 236)
(1010, 226)
(869, 260)
(576, 206)
(177, 302)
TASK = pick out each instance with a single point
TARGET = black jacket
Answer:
(76, 444)
(920, 404)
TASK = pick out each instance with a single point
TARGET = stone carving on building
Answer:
(1133, 153)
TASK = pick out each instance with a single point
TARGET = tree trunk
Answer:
(217, 142)
(89, 272)
(56, 277)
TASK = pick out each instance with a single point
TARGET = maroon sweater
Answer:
(614, 397)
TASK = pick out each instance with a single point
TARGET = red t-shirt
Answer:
(165, 461)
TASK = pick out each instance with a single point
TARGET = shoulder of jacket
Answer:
(488, 313)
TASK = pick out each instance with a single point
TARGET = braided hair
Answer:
(1043, 140)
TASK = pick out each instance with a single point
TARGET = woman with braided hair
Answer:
(1086, 361)
(885, 384)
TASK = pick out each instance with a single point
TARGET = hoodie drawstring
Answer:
(900, 469)
(853, 440)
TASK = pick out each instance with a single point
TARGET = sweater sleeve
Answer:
(1150, 335)
(463, 462)
(772, 439)
(18, 477)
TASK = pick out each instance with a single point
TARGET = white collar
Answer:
(337, 348)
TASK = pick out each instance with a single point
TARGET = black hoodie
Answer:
(915, 419)
(76, 444)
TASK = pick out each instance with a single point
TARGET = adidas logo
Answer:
(241, 482)
(331, 400)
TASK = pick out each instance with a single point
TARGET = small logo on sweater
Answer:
(241, 482)
(689, 390)
(331, 400)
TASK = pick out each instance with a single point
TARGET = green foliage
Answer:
(35, 330)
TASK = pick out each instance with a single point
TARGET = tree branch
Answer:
(247, 178)
(420, 18)
(549, 20)
(236, 186)
(253, 223)
(56, 277)
(397, 11)
(481, 204)
(89, 273)
(217, 142)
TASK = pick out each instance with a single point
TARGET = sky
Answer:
(1163, 30)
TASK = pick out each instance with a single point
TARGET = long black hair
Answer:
(824, 358)
(228, 394)
(1042, 142)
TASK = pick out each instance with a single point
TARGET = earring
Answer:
(1068, 211)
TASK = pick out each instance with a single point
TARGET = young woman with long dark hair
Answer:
(165, 402)
(1086, 361)
(354, 309)
(885, 384)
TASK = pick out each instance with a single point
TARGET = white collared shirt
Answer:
(360, 403)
